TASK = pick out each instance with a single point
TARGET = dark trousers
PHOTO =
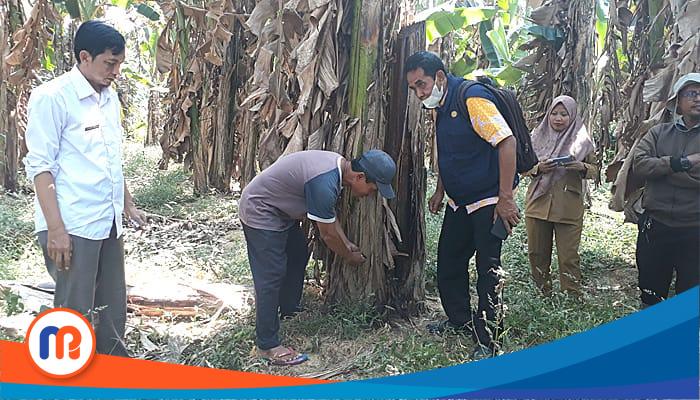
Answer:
(661, 250)
(95, 286)
(461, 236)
(278, 262)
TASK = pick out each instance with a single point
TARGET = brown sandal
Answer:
(283, 356)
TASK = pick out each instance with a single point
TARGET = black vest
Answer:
(468, 164)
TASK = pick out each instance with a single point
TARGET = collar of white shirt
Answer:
(84, 89)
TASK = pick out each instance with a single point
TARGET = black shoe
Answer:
(293, 313)
(480, 352)
(439, 328)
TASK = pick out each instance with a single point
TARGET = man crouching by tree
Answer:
(74, 137)
(303, 184)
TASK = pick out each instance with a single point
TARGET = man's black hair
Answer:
(430, 63)
(355, 166)
(96, 37)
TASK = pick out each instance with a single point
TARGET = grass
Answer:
(163, 192)
(16, 233)
(352, 339)
(607, 263)
(199, 238)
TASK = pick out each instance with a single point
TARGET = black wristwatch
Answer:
(680, 164)
(685, 164)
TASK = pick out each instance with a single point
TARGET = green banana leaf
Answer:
(554, 35)
(73, 8)
(441, 23)
(148, 12)
(122, 3)
(499, 41)
(49, 59)
(601, 25)
(463, 67)
(487, 45)
(509, 75)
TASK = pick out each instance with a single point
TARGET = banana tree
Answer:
(80, 9)
(648, 57)
(327, 78)
(11, 18)
(487, 40)
(22, 67)
(201, 49)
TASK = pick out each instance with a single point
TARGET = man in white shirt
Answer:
(75, 161)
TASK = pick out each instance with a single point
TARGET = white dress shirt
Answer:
(75, 134)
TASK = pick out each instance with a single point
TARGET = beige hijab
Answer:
(549, 143)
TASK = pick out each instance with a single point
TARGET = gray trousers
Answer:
(278, 262)
(95, 286)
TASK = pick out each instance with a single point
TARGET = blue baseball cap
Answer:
(380, 169)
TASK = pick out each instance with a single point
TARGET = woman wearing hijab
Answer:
(554, 203)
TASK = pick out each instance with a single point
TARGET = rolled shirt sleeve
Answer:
(487, 120)
(43, 135)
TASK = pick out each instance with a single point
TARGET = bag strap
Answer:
(460, 98)
(503, 101)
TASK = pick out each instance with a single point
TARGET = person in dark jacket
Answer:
(668, 159)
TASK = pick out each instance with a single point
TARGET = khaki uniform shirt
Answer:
(563, 203)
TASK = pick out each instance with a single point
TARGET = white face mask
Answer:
(435, 97)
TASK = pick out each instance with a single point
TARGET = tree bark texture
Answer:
(324, 79)
(11, 17)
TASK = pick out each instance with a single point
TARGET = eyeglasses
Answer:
(691, 94)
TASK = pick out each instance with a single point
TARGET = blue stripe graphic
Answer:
(652, 353)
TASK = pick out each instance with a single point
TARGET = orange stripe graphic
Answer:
(118, 372)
